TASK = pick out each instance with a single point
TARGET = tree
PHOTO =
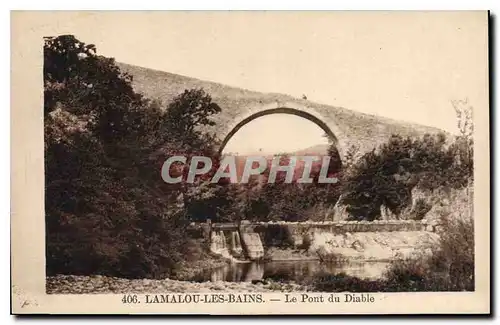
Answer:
(464, 147)
(183, 132)
(107, 209)
(386, 176)
(92, 88)
(188, 116)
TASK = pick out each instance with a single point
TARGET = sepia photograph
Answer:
(189, 159)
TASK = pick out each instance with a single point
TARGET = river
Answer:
(290, 271)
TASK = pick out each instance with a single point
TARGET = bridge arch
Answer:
(328, 126)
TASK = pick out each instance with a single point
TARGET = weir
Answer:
(227, 243)
(246, 240)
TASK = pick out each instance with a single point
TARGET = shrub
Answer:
(344, 283)
(409, 275)
(421, 208)
(449, 268)
(306, 242)
(277, 236)
(455, 255)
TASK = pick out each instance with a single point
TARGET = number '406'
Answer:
(130, 299)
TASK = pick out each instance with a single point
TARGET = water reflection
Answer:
(291, 271)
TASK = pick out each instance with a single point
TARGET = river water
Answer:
(290, 271)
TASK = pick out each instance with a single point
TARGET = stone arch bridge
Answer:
(240, 106)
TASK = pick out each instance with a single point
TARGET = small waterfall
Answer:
(213, 242)
(223, 240)
(236, 243)
(233, 246)
(218, 244)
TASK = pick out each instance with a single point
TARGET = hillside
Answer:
(319, 149)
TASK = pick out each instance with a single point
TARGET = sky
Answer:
(296, 133)
(405, 66)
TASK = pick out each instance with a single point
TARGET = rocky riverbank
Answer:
(289, 254)
(72, 284)
(374, 246)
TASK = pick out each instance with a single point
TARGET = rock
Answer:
(357, 245)
(259, 282)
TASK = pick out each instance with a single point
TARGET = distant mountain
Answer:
(319, 149)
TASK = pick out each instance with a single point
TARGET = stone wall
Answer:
(342, 226)
(293, 233)
(347, 226)
(337, 227)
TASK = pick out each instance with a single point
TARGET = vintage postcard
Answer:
(250, 162)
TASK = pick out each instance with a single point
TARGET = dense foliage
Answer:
(386, 176)
(107, 209)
